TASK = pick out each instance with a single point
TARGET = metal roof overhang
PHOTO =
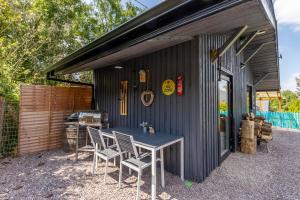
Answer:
(174, 22)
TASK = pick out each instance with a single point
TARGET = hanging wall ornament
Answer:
(168, 87)
(143, 76)
(147, 96)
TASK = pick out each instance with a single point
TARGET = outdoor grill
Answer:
(90, 117)
(76, 137)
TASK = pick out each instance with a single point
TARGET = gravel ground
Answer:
(55, 175)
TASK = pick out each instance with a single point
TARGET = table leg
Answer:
(153, 175)
(182, 159)
(77, 135)
(162, 168)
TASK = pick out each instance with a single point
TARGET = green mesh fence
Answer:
(9, 115)
(282, 119)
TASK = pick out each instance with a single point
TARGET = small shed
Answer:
(201, 63)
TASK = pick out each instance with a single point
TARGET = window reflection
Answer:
(223, 118)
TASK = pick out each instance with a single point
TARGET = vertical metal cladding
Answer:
(208, 96)
(193, 115)
(171, 114)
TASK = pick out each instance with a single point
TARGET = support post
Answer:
(260, 103)
(279, 105)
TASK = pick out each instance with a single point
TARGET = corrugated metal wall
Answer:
(194, 115)
(171, 114)
(241, 78)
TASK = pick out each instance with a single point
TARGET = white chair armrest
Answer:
(112, 146)
(143, 155)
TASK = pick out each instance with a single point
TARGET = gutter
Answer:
(50, 76)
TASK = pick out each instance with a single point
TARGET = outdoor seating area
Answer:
(125, 143)
(56, 175)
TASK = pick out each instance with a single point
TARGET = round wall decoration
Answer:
(168, 87)
(147, 97)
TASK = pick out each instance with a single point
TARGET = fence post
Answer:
(50, 97)
(19, 121)
(2, 104)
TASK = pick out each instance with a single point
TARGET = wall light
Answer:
(118, 67)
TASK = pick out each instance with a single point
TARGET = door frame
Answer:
(229, 78)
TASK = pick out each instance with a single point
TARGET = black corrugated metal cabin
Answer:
(225, 50)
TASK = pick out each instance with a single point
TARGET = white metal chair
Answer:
(106, 153)
(125, 143)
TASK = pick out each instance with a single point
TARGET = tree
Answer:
(223, 107)
(294, 105)
(37, 33)
(288, 96)
(298, 85)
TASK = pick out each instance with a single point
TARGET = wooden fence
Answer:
(42, 113)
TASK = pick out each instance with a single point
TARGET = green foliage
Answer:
(9, 129)
(298, 85)
(290, 101)
(223, 107)
(274, 105)
(37, 33)
(294, 105)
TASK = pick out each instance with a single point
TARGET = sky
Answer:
(288, 16)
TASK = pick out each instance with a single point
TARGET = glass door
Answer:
(224, 115)
(249, 102)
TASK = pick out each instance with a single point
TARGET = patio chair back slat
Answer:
(125, 143)
(96, 137)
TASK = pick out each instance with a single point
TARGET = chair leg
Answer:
(105, 174)
(138, 185)
(96, 162)
(129, 156)
(162, 168)
(120, 174)
(93, 167)
(96, 158)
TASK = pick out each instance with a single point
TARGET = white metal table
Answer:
(153, 143)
